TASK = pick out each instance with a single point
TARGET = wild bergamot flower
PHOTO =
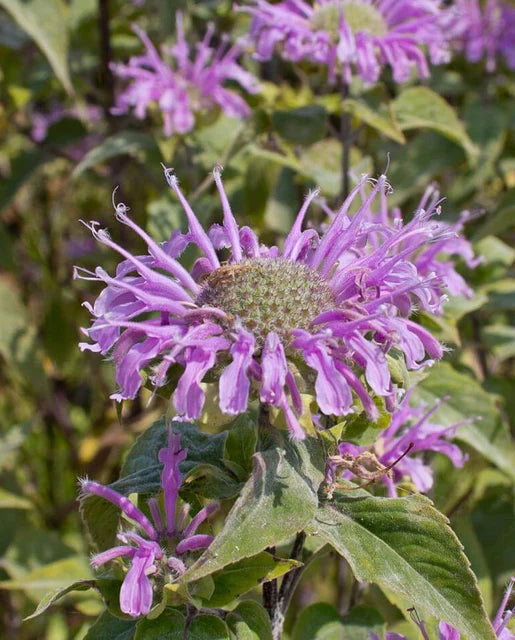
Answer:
(360, 36)
(183, 83)
(318, 316)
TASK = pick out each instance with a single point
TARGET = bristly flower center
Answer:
(268, 294)
(359, 17)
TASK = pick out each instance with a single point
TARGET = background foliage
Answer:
(56, 421)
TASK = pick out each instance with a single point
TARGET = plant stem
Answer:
(270, 597)
(291, 579)
(105, 73)
(345, 139)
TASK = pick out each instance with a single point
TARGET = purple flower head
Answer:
(411, 430)
(447, 632)
(486, 32)
(318, 316)
(351, 36)
(186, 84)
(153, 547)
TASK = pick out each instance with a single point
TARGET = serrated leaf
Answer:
(46, 22)
(208, 627)
(238, 578)
(132, 143)
(277, 501)
(406, 546)
(170, 625)
(107, 626)
(420, 107)
(381, 119)
(249, 621)
(319, 621)
(467, 399)
(53, 596)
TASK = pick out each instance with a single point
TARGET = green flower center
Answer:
(268, 294)
(359, 17)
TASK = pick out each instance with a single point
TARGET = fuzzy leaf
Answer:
(406, 546)
(278, 500)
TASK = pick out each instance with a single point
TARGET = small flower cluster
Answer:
(482, 33)
(448, 632)
(410, 430)
(313, 317)
(351, 36)
(159, 549)
(190, 85)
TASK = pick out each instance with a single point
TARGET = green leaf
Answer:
(304, 125)
(238, 578)
(500, 339)
(319, 621)
(133, 143)
(250, 621)
(51, 577)
(18, 341)
(462, 527)
(277, 501)
(23, 165)
(361, 622)
(10, 500)
(380, 118)
(53, 596)
(46, 22)
(211, 482)
(407, 547)
(467, 399)
(207, 627)
(169, 626)
(202, 447)
(109, 627)
(241, 441)
(501, 219)
(420, 107)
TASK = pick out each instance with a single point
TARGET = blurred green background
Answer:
(56, 419)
